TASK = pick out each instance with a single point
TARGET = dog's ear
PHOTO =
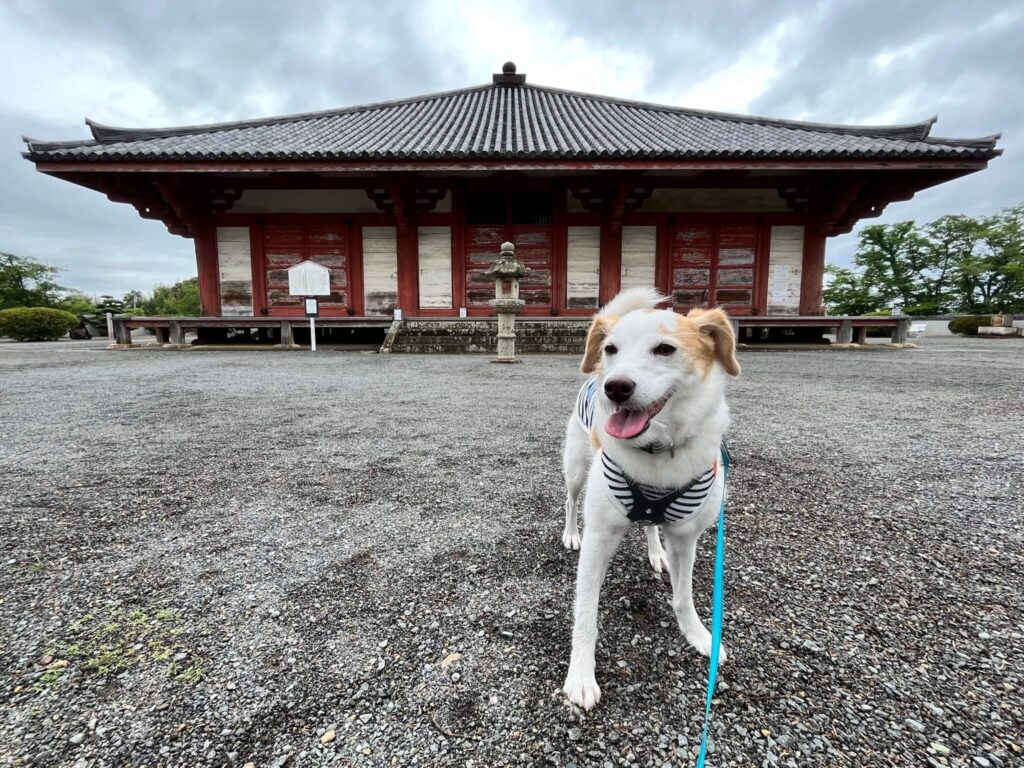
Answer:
(595, 340)
(715, 323)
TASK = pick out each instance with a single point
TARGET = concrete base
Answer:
(503, 360)
(991, 330)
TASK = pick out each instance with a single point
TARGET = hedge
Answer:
(35, 323)
(967, 325)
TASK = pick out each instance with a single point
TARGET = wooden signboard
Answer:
(308, 278)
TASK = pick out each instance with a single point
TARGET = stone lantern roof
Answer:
(507, 266)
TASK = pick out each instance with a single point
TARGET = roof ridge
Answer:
(106, 134)
(916, 131)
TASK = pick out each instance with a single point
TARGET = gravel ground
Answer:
(215, 558)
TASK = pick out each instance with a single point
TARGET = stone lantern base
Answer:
(507, 310)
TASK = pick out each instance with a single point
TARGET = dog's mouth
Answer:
(627, 423)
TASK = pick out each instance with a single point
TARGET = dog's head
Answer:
(651, 359)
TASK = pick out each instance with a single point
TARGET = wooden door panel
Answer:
(714, 265)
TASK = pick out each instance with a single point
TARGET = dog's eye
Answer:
(664, 350)
(610, 349)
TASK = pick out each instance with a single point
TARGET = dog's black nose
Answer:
(619, 390)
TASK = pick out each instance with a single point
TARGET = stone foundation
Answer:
(459, 336)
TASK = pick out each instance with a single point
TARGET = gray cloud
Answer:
(175, 62)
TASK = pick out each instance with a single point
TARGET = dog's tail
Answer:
(631, 299)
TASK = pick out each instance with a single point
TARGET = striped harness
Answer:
(648, 505)
(645, 504)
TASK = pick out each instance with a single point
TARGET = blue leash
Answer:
(716, 609)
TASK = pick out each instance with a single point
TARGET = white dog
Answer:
(649, 427)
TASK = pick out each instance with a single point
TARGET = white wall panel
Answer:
(435, 259)
(785, 266)
(380, 270)
(639, 248)
(235, 259)
(583, 266)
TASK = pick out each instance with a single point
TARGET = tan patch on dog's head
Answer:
(706, 336)
(599, 330)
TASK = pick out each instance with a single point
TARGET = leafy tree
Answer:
(990, 278)
(847, 292)
(133, 299)
(27, 283)
(955, 263)
(77, 303)
(181, 299)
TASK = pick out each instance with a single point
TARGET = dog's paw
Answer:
(658, 561)
(571, 539)
(700, 639)
(582, 691)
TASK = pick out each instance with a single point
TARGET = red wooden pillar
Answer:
(611, 262)
(559, 251)
(812, 273)
(259, 268)
(408, 268)
(208, 267)
(458, 247)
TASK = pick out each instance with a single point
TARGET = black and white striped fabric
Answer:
(585, 403)
(647, 505)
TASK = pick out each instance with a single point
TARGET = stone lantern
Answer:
(506, 302)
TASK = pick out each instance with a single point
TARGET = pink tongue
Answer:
(625, 424)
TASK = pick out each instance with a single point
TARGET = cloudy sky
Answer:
(169, 62)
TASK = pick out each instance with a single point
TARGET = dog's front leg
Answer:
(655, 552)
(600, 540)
(682, 549)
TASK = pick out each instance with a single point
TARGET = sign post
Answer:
(309, 280)
(312, 311)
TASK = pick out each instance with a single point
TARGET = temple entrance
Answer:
(525, 219)
(285, 245)
(713, 264)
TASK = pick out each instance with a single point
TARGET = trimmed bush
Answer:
(967, 325)
(36, 323)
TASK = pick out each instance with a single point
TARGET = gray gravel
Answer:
(215, 558)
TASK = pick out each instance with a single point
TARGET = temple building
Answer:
(407, 202)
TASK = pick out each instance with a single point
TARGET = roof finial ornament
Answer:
(508, 75)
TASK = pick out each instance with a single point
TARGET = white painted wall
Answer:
(380, 270)
(435, 259)
(583, 264)
(639, 247)
(785, 265)
(235, 259)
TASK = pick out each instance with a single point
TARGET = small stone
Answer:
(180, 656)
(942, 749)
(328, 737)
(77, 739)
(915, 725)
(982, 761)
(456, 677)
(574, 734)
(365, 717)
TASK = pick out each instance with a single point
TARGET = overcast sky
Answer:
(163, 62)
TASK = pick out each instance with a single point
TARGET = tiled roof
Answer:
(510, 119)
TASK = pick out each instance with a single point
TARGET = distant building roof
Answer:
(509, 119)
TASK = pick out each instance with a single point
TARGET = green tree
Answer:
(77, 303)
(847, 292)
(990, 277)
(133, 299)
(180, 299)
(27, 283)
(897, 262)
